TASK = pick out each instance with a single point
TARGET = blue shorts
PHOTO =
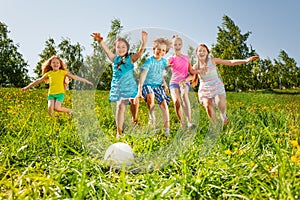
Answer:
(57, 97)
(159, 93)
(177, 86)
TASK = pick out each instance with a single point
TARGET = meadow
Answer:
(255, 156)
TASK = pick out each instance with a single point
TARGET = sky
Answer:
(274, 25)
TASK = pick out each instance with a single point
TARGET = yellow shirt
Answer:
(56, 81)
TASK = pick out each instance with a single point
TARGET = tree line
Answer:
(231, 43)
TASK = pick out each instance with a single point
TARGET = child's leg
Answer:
(165, 113)
(59, 108)
(176, 99)
(221, 103)
(187, 105)
(134, 110)
(150, 104)
(209, 107)
(120, 116)
(51, 104)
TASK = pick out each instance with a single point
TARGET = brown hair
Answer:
(159, 41)
(197, 65)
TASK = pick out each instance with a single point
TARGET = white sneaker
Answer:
(151, 122)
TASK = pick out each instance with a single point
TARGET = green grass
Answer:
(256, 156)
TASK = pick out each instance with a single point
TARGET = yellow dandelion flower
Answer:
(294, 143)
(252, 164)
(294, 159)
(228, 152)
(274, 174)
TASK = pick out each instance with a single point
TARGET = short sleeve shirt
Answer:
(155, 69)
(56, 81)
(180, 68)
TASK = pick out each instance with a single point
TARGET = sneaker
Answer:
(167, 132)
(191, 126)
(135, 124)
(151, 122)
(225, 121)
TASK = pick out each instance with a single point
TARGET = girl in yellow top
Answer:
(55, 72)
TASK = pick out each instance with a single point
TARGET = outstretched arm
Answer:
(137, 55)
(99, 39)
(38, 81)
(234, 62)
(72, 76)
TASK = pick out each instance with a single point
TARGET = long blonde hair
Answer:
(46, 67)
(195, 80)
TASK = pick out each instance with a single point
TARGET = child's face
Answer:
(55, 64)
(177, 45)
(160, 51)
(121, 48)
(202, 52)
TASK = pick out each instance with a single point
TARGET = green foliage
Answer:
(13, 68)
(48, 51)
(231, 44)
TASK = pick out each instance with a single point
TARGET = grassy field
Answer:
(255, 156)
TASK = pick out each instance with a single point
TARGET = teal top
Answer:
(123, 84)
(155, 70)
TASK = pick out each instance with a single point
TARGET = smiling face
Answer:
(177, 45)
(121, 48)
(159, 51)
(202, 52)
(55, 64)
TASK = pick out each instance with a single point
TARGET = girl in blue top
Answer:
(123, 85)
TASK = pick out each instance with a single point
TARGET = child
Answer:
(55, 72)
(211, 87)
(123, 85)
(179, 86)
(152, 85)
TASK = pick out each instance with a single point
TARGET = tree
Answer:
(231, 44)
(97, 66)
(48, 51)
(13, 70)
(288, 73)
(71, 54)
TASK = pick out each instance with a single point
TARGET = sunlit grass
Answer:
(257, 155)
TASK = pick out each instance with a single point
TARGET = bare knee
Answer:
(177, 104)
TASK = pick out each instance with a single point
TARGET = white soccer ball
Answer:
(119, 154)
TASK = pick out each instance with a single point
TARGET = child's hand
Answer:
(182, 83)
(90, 83)
(166, 89)
(97, 37)
(144, 37)
(136, 99)
(202, 71)
(24, 89)
(252, 58)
